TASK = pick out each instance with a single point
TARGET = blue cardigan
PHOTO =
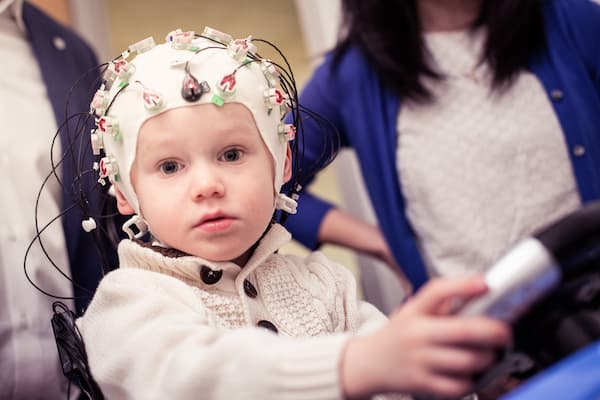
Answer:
(60, 70)
(353, 98)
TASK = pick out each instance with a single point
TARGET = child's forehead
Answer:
(233, 116)
(206, 122)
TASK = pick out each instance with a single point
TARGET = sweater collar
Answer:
(188, 268)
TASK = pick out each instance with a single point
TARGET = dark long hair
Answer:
(388, 32)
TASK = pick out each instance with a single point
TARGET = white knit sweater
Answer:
(156, 330)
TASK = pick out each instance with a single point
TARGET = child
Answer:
(196, 151)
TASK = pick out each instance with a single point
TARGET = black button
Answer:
(267, 325)
(250, 289)
(209, 276)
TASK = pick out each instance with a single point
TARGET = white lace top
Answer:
(479, 170)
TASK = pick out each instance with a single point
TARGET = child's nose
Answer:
(207, 184)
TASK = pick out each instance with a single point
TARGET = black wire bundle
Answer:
(77, 147)
(71, 351)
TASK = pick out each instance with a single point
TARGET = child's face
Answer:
(204, 180)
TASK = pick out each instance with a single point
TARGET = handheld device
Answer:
(538, 264)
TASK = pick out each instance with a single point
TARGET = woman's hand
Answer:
(425, 348)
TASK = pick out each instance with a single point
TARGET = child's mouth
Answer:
(215, 223)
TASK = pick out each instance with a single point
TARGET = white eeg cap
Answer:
(152, 81)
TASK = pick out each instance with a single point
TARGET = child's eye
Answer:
(232, 155)
(169, 167)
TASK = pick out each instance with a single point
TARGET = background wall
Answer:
(274, 20)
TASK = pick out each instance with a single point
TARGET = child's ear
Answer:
(122, 203)
(287, 166)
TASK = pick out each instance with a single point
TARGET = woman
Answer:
(474, 122)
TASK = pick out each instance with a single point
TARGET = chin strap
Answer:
(286, 204)
(140, 226)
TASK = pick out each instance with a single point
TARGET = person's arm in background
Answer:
(341, 228)
(586, 19)
(318, 139)
(318, 221)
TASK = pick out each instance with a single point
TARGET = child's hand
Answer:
(424, 349)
